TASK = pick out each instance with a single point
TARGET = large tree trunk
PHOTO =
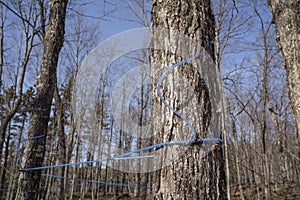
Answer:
(286, 18)
(29, 181)
(1, 47)
(192, 172)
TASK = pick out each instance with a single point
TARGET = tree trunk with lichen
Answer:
(33, 156)
(286, 18)
(195, 171)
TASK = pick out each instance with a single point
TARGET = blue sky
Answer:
(118, 17)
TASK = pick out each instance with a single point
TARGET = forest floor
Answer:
(291, 192)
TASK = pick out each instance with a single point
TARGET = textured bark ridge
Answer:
(193, 172)
(286, 16)
(29, 181)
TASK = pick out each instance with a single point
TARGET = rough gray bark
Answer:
(191, 175)
(286, 18)
(1, 46)
(33, 156)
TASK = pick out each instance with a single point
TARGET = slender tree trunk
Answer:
(13, 169)
(286, 18)
(10, 113)
(226, 150)
(4, 167)
(29, 181)
(5, 121)
(51, 158)
(191, 175)
(237, 159)
(263, 128)
(99, 143)
(61, 142)
(76, 170)
(71, 134)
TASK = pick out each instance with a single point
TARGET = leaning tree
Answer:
(29, 181)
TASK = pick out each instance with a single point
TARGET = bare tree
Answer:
(29, 35)
(286, 18)
(29, 181)
(28, 24)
